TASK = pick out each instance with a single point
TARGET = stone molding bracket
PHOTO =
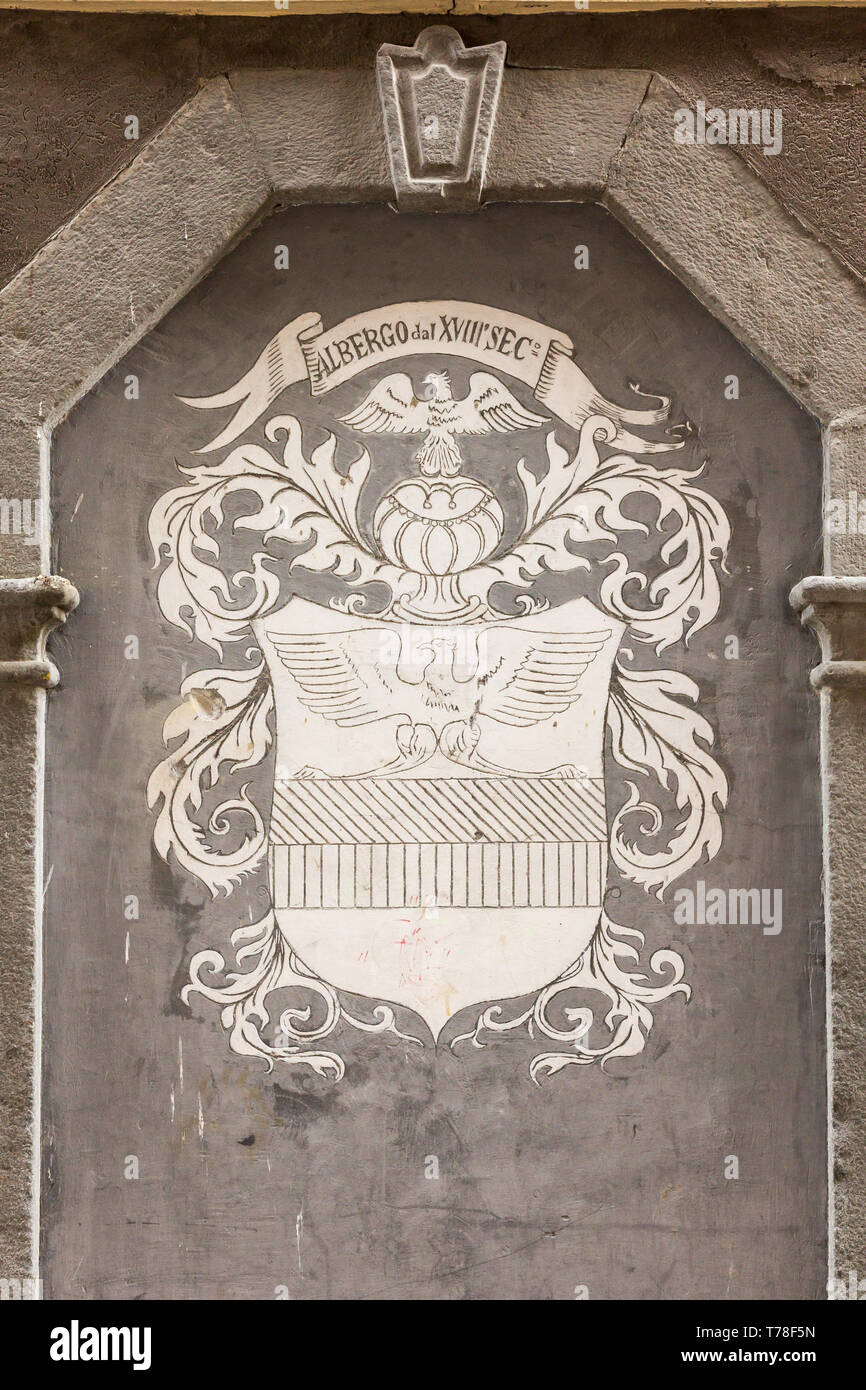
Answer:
(835, 610)
(30, 609)
(439, 102)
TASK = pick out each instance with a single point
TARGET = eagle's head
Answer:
(436, 385)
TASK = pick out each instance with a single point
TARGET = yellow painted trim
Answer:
(282, 8)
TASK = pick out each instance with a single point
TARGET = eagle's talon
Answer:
(459, 739)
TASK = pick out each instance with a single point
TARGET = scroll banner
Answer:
(542, 358)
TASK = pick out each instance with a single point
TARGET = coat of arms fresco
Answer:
(445, 724)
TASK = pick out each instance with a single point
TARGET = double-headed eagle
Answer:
(393, 408)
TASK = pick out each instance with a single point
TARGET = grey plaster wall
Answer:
(612, 1181)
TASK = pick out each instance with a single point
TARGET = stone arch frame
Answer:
(252, 139)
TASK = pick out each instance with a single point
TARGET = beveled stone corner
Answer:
(835, 610)
(439, 102)
(30, 609)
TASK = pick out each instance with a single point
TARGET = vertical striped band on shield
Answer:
(516, 842)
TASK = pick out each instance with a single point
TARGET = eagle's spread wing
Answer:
(390, 408)
(532, 676)
(329, 682)
(490, 407)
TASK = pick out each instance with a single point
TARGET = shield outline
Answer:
(372, 918)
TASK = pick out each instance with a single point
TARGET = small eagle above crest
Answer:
(392, 407)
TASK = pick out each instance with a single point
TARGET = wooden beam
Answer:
(434, 8)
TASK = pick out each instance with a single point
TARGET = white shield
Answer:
(438, 829)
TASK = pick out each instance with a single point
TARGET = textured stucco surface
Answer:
(68, 81)
(758, 269)
(166, 228)
(26, 614)
(560, 141)
(844, 719)
(845, 450)
(66, 85)
(19, 711)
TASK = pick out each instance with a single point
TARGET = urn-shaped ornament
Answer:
(437, 528)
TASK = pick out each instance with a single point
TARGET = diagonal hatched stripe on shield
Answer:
(461, 842)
